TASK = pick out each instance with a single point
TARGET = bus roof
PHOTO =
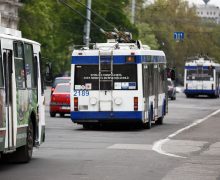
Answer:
(201, 62)
(118, 49)
(14, 34)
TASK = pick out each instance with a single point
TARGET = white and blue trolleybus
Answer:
(118, 82)
(202, 77)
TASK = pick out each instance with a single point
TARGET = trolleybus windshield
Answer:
(200, 74)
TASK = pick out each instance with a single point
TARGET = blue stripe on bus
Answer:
(196, 67)
(106, 115)
(200, 91)
(95, 59)
(116, 59)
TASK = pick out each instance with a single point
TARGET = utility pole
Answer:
(88, 24)
(133, 11)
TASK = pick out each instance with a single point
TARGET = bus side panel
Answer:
(2, 120)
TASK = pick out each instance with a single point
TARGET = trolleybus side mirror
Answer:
(172, 74)
(48, 73)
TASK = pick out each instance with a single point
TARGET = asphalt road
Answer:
(171, 151)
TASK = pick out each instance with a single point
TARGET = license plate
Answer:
(66, 107)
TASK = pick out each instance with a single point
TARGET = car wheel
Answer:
(62, 114)
(52, 114)
(86, 126)
(160, 120)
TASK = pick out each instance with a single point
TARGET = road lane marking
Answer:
(131, 146)
(157, 146)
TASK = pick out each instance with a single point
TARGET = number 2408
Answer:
(81, 93)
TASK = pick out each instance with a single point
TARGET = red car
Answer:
(58, 80)
(60, 100)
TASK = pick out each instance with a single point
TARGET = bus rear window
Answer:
(123, 77)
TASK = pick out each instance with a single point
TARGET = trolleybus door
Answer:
(105, 80)
(156, 81)
(7, 65)
(2, 107)
(146, 91)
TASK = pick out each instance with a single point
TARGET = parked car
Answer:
(171, 89)
(58, 80)
(60, 100)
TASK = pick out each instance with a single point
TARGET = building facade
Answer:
(9, 13)
(209, 13)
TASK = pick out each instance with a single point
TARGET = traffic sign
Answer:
(178, 36)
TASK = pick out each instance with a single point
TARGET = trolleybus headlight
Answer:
(93, 101)
(118, 101)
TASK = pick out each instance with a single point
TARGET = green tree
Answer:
(58, 28)
(166, 17)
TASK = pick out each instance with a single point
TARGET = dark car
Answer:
(171, 89)
(60, 100)
(59, 80)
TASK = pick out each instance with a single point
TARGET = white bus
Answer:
(202, 77)
(118, 82)
(22, 116)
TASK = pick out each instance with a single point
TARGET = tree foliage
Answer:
(58, 28)
(164, 17)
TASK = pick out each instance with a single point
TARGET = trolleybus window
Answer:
(124, 77)
(1, 73)
(19, 64)
(208, 74)
(30, 75)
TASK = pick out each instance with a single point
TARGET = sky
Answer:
(211, 2)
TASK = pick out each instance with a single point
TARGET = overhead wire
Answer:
(120, 36)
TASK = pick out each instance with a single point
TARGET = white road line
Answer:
(131, 146)
(157, 146)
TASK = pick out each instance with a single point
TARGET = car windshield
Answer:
(62, 89)
(58, 81)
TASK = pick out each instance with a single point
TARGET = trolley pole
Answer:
(88, 24)
(133, 11)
